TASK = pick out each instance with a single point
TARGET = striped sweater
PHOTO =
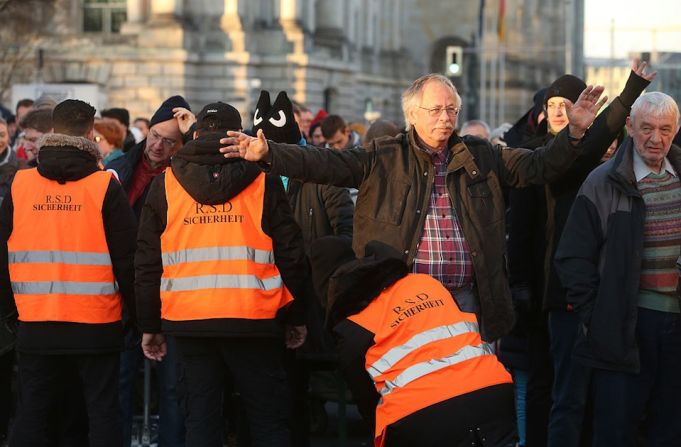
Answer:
(662, 241)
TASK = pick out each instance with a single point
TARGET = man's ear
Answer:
(91, 134)
(630, 125)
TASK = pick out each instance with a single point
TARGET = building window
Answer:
(104, 16)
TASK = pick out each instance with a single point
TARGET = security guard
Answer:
(68, 238)
(415, 363)
(219, 262)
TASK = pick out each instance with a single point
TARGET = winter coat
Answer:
(125, 169)
(8, 167)
(320, 210)
(395, 178)
(598, 261)
(211, 179)
(68, 159)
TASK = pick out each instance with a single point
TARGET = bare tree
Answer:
(23, 22)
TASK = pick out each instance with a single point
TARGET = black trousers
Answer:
(483, 418)
(256, 367)
(40, 385)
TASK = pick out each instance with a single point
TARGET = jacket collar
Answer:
(460, 155)
(622, 169)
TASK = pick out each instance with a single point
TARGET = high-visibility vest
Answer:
(426, 350)
(59, 262)
(217, 260)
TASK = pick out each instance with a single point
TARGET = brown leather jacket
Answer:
(395, 177)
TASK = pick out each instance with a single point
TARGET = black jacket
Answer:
(396, 178)
(66, 159)
(320, 210)
(599, 261)
(125, 168)
(211, 179)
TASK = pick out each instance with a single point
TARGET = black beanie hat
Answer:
(276, 120)
(566, 86)
(165, 112)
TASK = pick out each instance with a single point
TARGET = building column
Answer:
(135, 17)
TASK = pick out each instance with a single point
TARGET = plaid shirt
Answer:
(443, 252)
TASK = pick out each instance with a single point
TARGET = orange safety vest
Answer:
(59, 262)
(217, 260)
(426, 350)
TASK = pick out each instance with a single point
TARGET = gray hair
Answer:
(481, 123)
(656, 104)
(412, 95)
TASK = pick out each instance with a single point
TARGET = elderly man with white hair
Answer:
(617, 259)
(431, 195)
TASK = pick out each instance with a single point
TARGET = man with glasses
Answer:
(432, 195)
(136, 170)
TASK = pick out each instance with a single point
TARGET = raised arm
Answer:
(346, 168)
(520, 167)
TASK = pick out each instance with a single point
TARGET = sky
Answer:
(640, 25)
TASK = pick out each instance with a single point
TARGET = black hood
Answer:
(66, 158)
(356, 284)
(350, 284)
(207, 175)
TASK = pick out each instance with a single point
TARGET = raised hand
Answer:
(640, 69)
(249, 148)
(184, 118)
(583, 112)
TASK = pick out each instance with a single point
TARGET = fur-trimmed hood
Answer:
(56, 141)
(65, 158)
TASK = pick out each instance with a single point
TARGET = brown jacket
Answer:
(395, 177)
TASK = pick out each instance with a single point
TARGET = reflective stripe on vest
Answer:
(220, 282)
(63, 287)
(220, 265)
(218, 254)
(422, 369)
(61, 257)
(390, 358)
(59, 262)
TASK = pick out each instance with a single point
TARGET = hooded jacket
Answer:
(599, 261)
(209, 178)
(64, 159)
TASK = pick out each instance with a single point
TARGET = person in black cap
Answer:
(219, 237)
(136, 170)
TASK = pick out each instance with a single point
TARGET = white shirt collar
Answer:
(641, 170)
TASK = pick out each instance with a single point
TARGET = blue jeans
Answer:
(571, 382)
(171, 420)
(520, 379)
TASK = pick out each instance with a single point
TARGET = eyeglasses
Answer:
(167, 142)
(437, 111)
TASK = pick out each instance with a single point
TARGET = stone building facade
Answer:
(349, 56)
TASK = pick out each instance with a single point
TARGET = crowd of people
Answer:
(503, 287)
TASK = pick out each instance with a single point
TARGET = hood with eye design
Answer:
(276, 120)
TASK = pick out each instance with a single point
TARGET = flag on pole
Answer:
(501, 25)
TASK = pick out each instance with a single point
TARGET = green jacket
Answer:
(395, 177)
